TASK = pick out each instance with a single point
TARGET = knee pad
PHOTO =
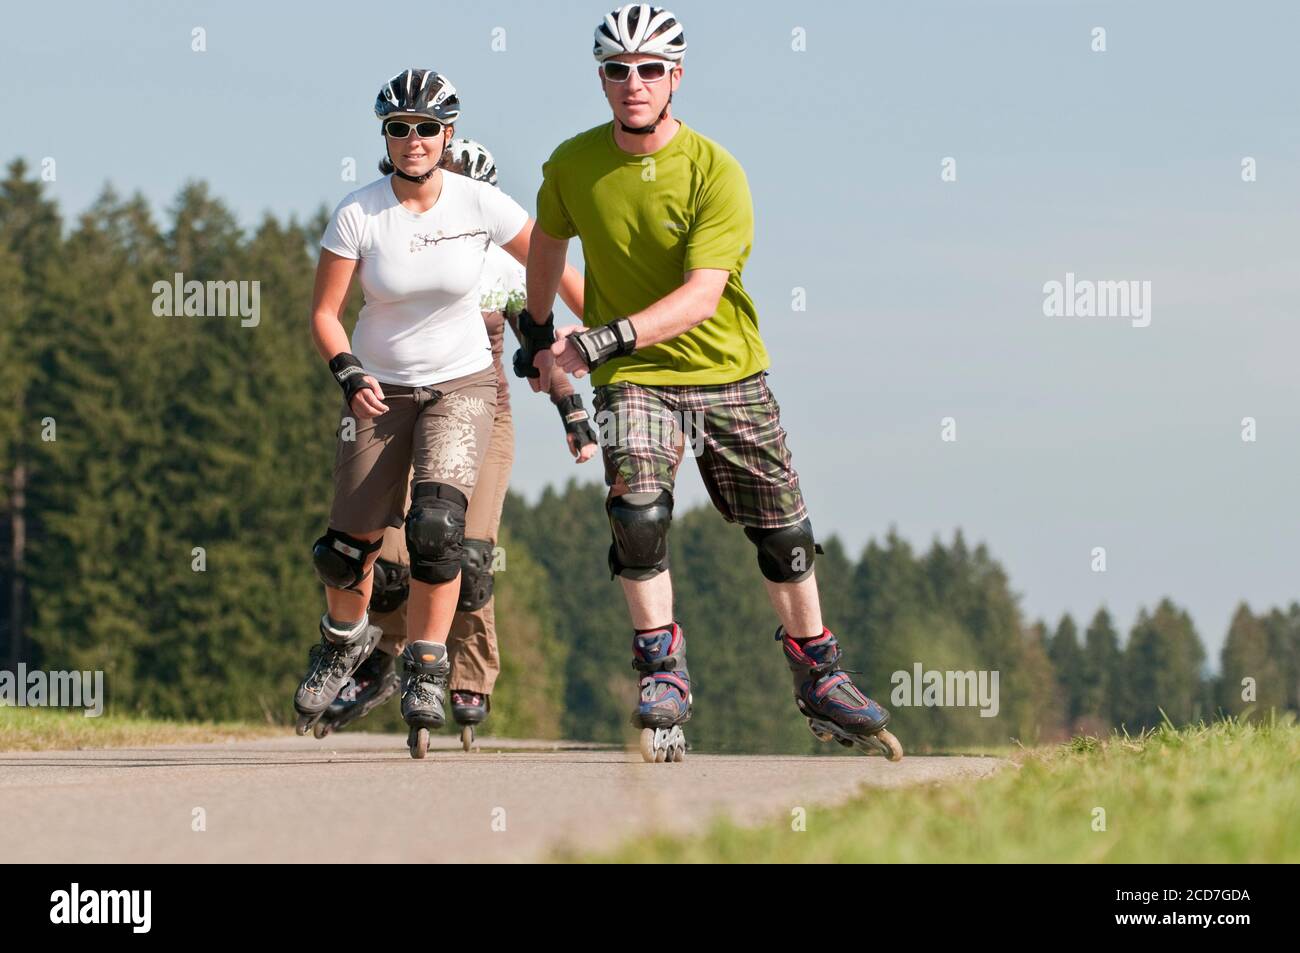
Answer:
(340, 559)
(785, 554)
(475, 575)
(435, 531)
(391, 586)
(639, 523)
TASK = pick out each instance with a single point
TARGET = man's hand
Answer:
(565, 352)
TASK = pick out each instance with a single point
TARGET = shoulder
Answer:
(488, 198)
(581, 144)
(368, 199)
(710, 157)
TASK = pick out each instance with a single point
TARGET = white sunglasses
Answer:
(648, 71)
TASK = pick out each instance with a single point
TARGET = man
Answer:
(666, 223)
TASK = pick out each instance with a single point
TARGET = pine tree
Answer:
(1067, 664)
(1254, 669)
(1163, 662)
(1101, 704)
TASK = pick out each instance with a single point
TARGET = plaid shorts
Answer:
(734, 430)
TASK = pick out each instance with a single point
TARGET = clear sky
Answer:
(924, 297)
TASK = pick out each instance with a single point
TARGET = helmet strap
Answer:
(643, 130)
(417, 179)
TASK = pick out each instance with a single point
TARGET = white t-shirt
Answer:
(421, 322)
(503, 286)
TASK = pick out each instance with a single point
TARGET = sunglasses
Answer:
(648, 71)
(400, 129)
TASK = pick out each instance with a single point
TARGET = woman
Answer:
(420, 391)
(472, 644)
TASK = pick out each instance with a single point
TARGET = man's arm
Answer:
(675, 313)
(546, 259)
(690, 305)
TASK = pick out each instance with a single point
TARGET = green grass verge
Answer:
(44, 729)
(1228, 792)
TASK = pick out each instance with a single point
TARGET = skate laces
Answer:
(423, 687)
(331, 661)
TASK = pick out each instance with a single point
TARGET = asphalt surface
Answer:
(362, 798)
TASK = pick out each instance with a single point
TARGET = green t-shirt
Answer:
(644, 221)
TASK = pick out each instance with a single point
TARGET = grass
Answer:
(1227, 792)
(44, 729)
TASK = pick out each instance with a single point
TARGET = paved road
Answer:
(360, 797)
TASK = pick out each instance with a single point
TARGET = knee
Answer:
(785, 554)
(435, 531)
(390, 587)
(475, 575)
(639, 524)
(340, 559)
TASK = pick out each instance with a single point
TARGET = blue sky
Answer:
(924, 297)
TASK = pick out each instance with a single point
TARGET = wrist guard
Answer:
(599, 345)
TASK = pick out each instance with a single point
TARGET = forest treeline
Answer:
(164, 477)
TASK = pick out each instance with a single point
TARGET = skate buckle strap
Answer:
(671, 679)
(819, 653)
(666, 664)
(837, 680)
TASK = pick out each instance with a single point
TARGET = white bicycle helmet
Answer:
(640, 28)
(475, 161)
(419, 92)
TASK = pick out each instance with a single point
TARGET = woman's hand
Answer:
(544, 361)
(580, 455)
(369, 400)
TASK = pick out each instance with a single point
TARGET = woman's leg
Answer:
(451, 440)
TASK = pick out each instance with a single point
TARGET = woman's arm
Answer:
(571, 283)
(334, 275)
(333, 279)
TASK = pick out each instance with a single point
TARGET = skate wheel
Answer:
(679, 753)
(305, 723)
(648, 745)
(419, 742)
(321, 729)
(820, 735)
(893, 750)
(467, 737)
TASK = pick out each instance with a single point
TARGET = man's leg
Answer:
(797, 605)
(640, 468)
(746, 466)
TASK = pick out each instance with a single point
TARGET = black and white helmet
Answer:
(418, 92)
(474, 160)
(640, 28)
